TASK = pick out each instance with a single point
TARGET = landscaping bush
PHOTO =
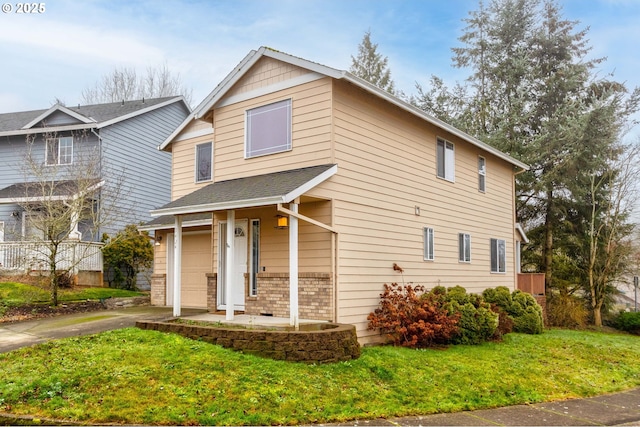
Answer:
(412, 318)
(477, 323)
(566, 311)
(522, 307)
(628, 321)
(125, 255)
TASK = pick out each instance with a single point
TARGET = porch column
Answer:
(177, 265)
(293, 266)
(229, 268)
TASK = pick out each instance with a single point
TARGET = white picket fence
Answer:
(34, 256)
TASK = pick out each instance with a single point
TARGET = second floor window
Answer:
(482, 174)
(445, 160)
(268, 129)
(59, 151)
(204, 156)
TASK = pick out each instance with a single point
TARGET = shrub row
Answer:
(412, 317)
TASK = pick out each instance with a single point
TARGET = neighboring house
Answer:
(296, 187)
(122, 136)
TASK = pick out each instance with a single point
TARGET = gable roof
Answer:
(254, 56)
(257, 190)
(87, 116)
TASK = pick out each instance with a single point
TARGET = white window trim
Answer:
(287, 147)
(253, 292)
(449, 160)
(482, 172)
(197, 165)
(1, 231)
(466, 247)
(504, 242)
(428, 251)
(59, 156)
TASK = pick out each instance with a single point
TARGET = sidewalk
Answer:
(613, 409)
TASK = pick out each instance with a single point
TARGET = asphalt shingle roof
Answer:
(98, 112)
(250, 188)
(44, 189)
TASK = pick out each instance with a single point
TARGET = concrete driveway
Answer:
(24, 334)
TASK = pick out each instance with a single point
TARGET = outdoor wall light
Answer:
(158, 240)
(282, 222)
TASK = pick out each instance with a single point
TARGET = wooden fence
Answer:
(532, 283)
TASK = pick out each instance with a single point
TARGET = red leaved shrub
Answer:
(412, 318)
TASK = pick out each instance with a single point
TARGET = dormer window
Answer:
(268, 129)
(59, 151)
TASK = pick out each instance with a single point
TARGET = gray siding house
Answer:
(123, 135)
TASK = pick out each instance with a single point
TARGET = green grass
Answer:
(144, 377)
(15, 294)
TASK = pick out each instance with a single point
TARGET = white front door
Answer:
(241, 234)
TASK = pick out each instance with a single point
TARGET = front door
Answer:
(241, 234)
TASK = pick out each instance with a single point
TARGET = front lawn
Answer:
(144, 377)
(14, 294)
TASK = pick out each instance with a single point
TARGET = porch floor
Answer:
(250, 320)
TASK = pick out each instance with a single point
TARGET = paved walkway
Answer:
(613, 409)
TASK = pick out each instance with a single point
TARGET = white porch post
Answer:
(230, 267)
(293, 266)
(177, 265)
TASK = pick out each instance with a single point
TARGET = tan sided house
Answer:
(296, 187)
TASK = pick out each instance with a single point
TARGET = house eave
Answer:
(49, 129)
(212, 207)
(185, 224)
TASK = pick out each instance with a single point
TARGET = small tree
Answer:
(65, 198)
(126, 254)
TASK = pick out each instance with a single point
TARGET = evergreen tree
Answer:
(369, 65)
(534, 94)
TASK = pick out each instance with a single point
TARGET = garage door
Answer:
(196, 263)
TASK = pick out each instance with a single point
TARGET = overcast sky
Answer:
(68, 47)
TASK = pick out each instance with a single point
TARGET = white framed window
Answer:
(254, 250)
(59, 151)
(498, 256)
(1, 231)
(464, 247)
(204, 162)
(428, 243)
(268, 129)
(446, 160)
(482, 174)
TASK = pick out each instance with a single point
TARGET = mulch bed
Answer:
(39, 311)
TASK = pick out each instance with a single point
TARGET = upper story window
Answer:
(464, 247)
(482, 174)
(204, 161)
(59, 151)
(445, 160)
(268, 129)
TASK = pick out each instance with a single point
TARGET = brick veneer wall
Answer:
(334, 343)
(159, 289)
(315, 296)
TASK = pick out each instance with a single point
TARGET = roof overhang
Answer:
(297, 190)
(61, 108)
(28, 196)
(520, 231)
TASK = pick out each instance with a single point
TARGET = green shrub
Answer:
(566, 311)
(477, 323)
(412, 318)
(628, 321)
(520, 306)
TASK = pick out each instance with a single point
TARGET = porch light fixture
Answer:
(158, 240)
(282, 222)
